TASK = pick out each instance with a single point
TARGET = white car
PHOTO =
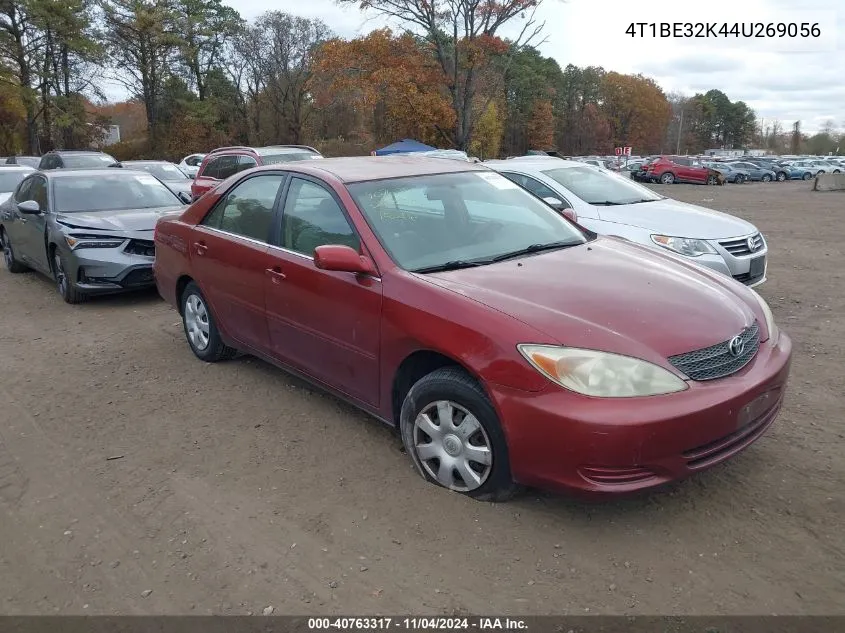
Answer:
(611, 204)
(10, 176)
(191, 164)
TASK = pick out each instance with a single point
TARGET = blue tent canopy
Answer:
(403, 147)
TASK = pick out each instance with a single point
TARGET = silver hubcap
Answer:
(61, 277)
(452, 446)
(196, 322)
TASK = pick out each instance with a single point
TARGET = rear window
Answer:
(10, 179)
(87, 160)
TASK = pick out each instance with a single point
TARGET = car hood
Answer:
(678, 219)
(127, 220)
(5, 195)
(612, 295)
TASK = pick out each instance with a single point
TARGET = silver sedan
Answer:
(609, 204)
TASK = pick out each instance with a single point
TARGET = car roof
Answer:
(147, 160)
(107, 171)
(366, 168)
(539, 164)
(75, 151)
(13, 167)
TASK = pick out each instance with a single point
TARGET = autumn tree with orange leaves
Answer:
(541, 125)
(463, 35)
(390, 82)
(636, 110)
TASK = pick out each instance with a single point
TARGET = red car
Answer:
(224, 162)
(506, 344)
(670, 169)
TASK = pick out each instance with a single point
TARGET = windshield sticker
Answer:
(497, 180)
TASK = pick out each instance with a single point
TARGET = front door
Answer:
(324, 323)
(32, 247)
(231, 258)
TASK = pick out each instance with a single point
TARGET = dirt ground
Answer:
(239, 488)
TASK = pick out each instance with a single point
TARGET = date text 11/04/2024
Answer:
(415, 623)
(724, 29)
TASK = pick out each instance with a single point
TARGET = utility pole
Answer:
(680, 127)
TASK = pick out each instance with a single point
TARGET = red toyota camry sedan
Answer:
(508, 345)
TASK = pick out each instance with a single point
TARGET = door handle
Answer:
(276, 275)
(200, 248)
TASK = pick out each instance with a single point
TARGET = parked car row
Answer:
(479, 314)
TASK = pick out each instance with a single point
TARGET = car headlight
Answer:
(92, 241)
(684, 245)
(601, 374)
(771, 326)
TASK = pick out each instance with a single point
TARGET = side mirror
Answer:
(569, 214)
(343, 259)
(29, 207)
(185, 197)
(556, 203)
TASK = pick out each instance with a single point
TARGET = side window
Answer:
(211, 168)
(38, 192)
(312, 218)
(193, 161)
(534, 186)
(22, 194)
(247, 209)
(246, 162)
(681, 161)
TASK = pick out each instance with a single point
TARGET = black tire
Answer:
(12, 264)
(835, 171)
(808, 176)
(64, 284)
(712, 180)
(766, 178)
(215, 349)
(781, 176)
(667, 178)
(456, 386)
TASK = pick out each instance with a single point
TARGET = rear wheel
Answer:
(808, 176)
(766, 178)
(781, 176)
(64, 283)
(12, 264)
(668, 178)
(451, 431)
(200, 328)
(712, 180)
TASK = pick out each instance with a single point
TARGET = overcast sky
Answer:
(787, 79)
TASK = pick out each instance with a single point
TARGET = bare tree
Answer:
(461, 32)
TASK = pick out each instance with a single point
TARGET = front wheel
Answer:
(781, 176)
(668, 178)
(808, 176)
(712, 180)
(64, 283)
(200, 328)
(451, 431)
(767, 178)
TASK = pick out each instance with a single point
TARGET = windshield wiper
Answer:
(534, 248)
(607, 203)
(456, 264)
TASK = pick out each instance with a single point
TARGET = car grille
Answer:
(717, 361)
(141, 247)
(740, 246)
(138, 277)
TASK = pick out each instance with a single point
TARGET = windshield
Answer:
(598, 187)
(430, 221)
(10, 179)
(87, 160)
(162, 171)
(116, 192)
(288, 157)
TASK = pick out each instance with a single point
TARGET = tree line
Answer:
(198, 75)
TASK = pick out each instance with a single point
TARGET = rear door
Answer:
(324, 323)
(230, 257)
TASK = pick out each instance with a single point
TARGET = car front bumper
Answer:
(109, 270)
(563, 441)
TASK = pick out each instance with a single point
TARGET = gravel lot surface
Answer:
(238, 488)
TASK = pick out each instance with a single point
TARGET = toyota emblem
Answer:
(736, 346)
(752, 246)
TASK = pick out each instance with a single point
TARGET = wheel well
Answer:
(51, 252)
(414, 367)
(181, 284)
